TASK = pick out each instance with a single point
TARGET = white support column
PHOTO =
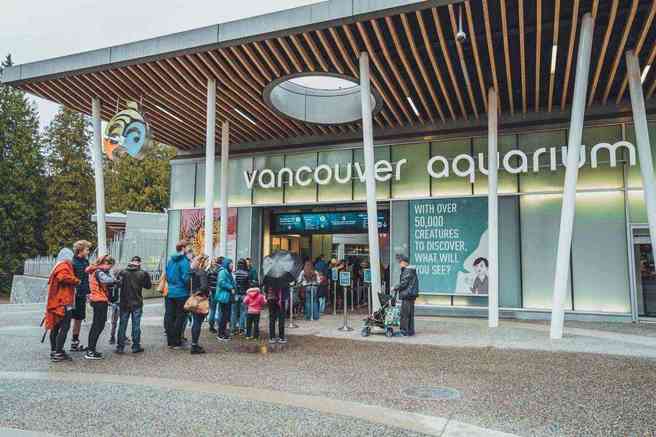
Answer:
(210, 157)
(571, 176)
(493, 210)
(96, 153)
(642, 140)
(369, 161)
(223, 201)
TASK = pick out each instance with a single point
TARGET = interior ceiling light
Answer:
(245, 116)
(414, 108)
(645, 72)
(554, 54)
(170, 114)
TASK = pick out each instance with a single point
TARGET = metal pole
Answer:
(210, 156)
(334, 298)
(291, 309)
(96, 153)
(493, 206)
(368, 148)
(223, 201)
(642, 140)
(369, 299)
(311, 303)
(346, 326)
(561, 278)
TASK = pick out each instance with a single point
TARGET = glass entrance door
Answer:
(645, 273)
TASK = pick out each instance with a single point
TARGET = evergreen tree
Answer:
(71, 194)
(139, 185)
(22, 178)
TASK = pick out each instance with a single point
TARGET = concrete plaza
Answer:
(599, 380)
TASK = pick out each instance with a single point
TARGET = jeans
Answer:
(135, 314)
(311, 304)
(253, 325)
(98, 325)
(322, 305)
(238, 314)
(214, 314)
(197, 322)
(408, 317)
(60, 331)
(276, 314)
(176, 320)
(223, 317)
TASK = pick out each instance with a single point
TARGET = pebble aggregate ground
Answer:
(523, 392)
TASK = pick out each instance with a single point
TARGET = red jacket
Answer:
(99, 291)
(254, 301)
(61, 292)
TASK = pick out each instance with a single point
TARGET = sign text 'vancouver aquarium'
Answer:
(514, 162)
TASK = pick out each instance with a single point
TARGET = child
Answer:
(254, 301)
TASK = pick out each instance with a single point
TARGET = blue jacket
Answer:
(178, 273)
(226, 281)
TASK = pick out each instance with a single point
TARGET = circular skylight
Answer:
(320, 98)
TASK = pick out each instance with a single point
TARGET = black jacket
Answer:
(408, 287)
(242, 280)
(79, 266)
(199, 283)
(131, 282)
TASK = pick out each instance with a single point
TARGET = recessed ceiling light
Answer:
(554, 54)
(245, 116)
(414, 108)
(170, 114)
(645, 72)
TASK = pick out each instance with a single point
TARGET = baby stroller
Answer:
(387, 317)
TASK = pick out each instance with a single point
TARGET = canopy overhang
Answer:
(428, 82)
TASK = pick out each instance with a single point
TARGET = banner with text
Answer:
(448, 245)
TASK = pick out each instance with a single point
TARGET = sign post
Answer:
(367, 280)
(291, 309)
(345, 283)
(334, 278)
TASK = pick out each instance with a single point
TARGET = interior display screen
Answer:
(346, 222)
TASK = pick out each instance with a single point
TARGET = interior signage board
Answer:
(347, 222)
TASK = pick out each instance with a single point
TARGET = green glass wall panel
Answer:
(510, 274)
(635, 178)
(295, 193)
(545, 179)
(239, 194)
(637, 208)
(200, 184)
(603, 176)
(452, 185)
(540, 223)
(267, 195)
(182, 184)
(599, 254)
(508, 183)
(173, 234)
(335, 191)
(400, 235)
(414, 180)
(359, 188)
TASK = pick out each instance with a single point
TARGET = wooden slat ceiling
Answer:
(509, 46)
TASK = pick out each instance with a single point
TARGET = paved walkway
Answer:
(327, 382)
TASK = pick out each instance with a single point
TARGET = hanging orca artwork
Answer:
(126, 132)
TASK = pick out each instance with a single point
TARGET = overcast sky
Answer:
(33, 30)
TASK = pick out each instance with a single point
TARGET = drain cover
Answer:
(431, 393)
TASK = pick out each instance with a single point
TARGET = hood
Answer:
(133, 267)
(410, 266)
(253, 292)
(176, 257)
(226, 262)
(65, 254)
(92, 268)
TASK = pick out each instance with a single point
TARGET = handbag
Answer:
(197, 304)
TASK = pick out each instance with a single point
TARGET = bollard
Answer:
(291, 309)
(346, 326)
(334, 298)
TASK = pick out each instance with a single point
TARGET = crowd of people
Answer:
(195, 288)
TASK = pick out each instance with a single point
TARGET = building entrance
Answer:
(645, 273)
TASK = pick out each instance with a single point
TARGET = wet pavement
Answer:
(325, 384)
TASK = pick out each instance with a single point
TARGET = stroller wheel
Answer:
(366, 331)
(389, 332)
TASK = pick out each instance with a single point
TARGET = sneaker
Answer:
(282, 340)
(112, 340)
(58, 357)
(77, 347)
(92, 355)
(222, 338)
(137, 350)
(197, 350)
(273, 340)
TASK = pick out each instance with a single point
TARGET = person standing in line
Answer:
(254, 301)
(408, 289)
(238, 310)
(277, 298)
(131, 283)
(224, 295)
(309, 280)
(81, 251)
(252, 273)
(321, 265)
(322, 291)
(199, 287)
(115, 311)
(212, 279)
(100, 281)
(59, 304)
(178, 273)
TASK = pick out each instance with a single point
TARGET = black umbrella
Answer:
(281, 268)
